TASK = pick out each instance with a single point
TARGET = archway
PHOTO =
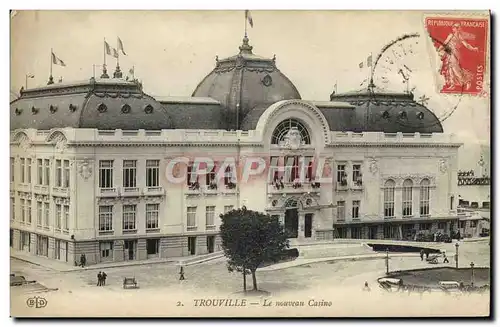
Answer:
(291, 218)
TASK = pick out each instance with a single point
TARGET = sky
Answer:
(172, 51)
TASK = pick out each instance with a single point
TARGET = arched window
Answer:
(283, 129)
(389, 198)
(291, 203)
(424, 197)
(407, 197)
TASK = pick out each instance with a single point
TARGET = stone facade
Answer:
(76, 220)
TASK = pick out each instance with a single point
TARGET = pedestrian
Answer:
(181, 273)
(82, 260)
(445, 258)
(99, 279)
(422, 255)
(103, 278)
(426, 254)
(366, 288)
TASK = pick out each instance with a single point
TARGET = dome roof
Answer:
(96, 103)
(389, 112)
(245, 81)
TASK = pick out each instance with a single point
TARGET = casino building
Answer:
(88, 162)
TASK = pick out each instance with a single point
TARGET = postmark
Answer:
(461, 44)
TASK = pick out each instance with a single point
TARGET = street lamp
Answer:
(387, 261)
(456, 254)
(472, 273)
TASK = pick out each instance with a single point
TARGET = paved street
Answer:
(213, 277)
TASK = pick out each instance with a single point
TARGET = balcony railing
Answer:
(294, 187)
(60, 191)
(130, 191)
(191, 228)
(210, 227)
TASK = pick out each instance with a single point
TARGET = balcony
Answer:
(41, 189)
(130, 191)
(297, 187)
(60, 191)
(193, 189)
(229, 188)
(108, 192)
(154, 191)
(342, 185)
(357, 185)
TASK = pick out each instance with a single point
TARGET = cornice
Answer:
(393, 145)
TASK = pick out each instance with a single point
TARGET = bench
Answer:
(129, 282)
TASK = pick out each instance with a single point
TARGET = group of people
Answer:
(426, 253)
(101, 278)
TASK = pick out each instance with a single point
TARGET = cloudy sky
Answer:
(173, 50)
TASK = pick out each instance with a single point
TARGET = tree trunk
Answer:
(244, 281)
(254, 278)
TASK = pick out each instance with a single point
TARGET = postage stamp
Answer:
(461, 44)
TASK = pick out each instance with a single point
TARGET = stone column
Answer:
(33, 244)
(300, 235)
(118, 254)
(142, 253)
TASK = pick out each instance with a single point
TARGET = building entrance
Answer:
(292, 222)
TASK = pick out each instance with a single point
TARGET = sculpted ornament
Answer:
(292, 140)
(24, 143)
(443, 166)
(61, 143)
(373, 166)
(85, 169)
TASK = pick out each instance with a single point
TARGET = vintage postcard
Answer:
(250, 164)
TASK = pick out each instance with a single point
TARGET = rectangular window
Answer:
(66, 173)
(341, 175)
(356, 175)
(292, 168)
(58, 216)
(23, 210)
(106, 249)
(28, 212)
(105, 218)
(355, 209)
(58, 173)
(40, 171)
(407, 201)
(152, 173)
(66, 218)
(462, 224)
(153, 246)
(424, 200)
(47, 214)
(274, 171)
(129, 217)
(228, 176)
(389, 202)
(152, 213)
(210, 215)
(228, 208)
(441, 225)
(57, 249)
(46, 168)
(340, 210)
(191, 176)
(12, 209)
(356, 233)
(473, 223)
(309, 166)
(210, 177)
(426, 226)
(452, 200)
(191, 217)
(39, 214)
(12, 169)
(23, 170)
(106, 173)
(341, 232)
(28, 170)
(129, 173)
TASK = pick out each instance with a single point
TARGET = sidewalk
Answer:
(65, 267)
(301, 262)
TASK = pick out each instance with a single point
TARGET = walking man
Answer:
(103, 278)
(422, 255)
(82, 260)
(99, 279)
(445, 258)
(181, 273)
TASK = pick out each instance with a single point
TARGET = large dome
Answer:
(243, 82)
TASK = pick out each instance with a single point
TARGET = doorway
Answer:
(192, 245)
(210, 244)
(130, 248)
(308, 225)
(153, 247)
(292, 222)
(373, 232)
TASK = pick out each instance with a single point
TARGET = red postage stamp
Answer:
(461, 44)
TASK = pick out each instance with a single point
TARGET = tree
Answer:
(250, 238)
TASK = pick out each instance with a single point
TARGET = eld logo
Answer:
(36, 302)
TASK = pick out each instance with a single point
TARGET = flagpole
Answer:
(104, 52)
(246, 22)
(51, 79)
